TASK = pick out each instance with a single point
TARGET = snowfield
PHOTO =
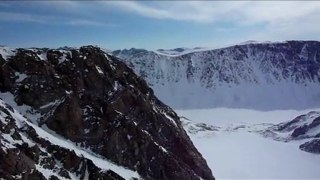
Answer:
(233, 147)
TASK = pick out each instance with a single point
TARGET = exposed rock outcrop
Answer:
(312, 146)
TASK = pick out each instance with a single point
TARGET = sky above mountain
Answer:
(155, 24)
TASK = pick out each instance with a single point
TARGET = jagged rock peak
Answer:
(94, 102)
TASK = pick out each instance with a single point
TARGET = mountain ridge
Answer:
(234, 76)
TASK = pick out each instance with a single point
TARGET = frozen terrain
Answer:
(232, 143)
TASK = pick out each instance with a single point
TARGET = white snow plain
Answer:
(237, 151)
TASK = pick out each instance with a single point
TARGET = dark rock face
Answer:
(312, 146)
(300, 131)
(97, 102)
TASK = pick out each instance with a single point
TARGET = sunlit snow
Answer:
(236, 150)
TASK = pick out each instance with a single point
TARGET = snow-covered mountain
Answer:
(303, 127)
(179, 51)
(79, 113)
(282, 75)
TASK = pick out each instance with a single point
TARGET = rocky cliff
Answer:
(81, 113)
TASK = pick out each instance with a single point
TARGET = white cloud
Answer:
(177, 10)
(237, 12)
(70, 13)
(284, 20)
(281, 19)
(22, 17)
(52, 20)
(212, 11)
(275, 12)
(83, 22)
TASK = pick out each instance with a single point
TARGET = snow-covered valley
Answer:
(232, 142)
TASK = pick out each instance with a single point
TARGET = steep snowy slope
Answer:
(40, 154)
(253, 75)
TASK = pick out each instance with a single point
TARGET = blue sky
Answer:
(155, 24)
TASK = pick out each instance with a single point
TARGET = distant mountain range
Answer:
(259, 75)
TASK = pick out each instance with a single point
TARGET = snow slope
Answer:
(180, 51)
(235, 149)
